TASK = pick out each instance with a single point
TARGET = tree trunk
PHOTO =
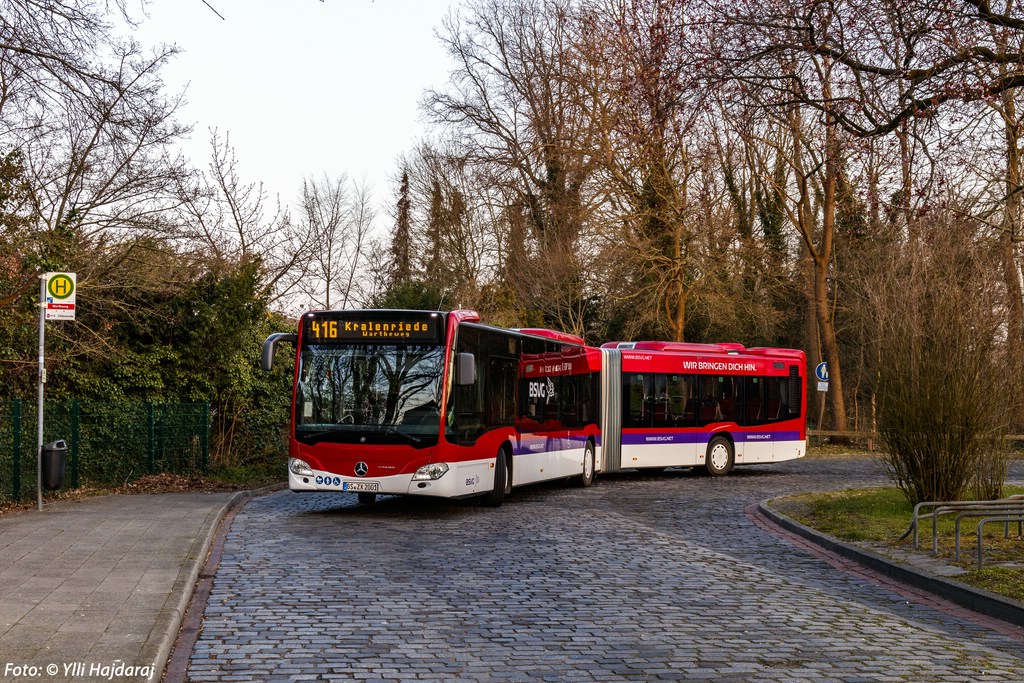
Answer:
(1011, 226)
(829, 345)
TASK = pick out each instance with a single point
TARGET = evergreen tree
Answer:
(400, 266)
(435, 223)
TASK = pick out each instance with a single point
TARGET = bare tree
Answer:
(450, 220)
(337, 219)
(457, 224)
(784, 90)
(1003, 207)
(654, 134)
(936, 375)
(93, 130)
(89, 115)
(516, 101)
(357, 283)
(234, 221)
(892, 61)
(760, 280)
(49, 48)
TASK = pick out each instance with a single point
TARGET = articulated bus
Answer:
(710, 406)
(438, 404)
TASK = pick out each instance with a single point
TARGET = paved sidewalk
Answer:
(96, 589)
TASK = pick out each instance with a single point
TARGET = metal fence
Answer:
(108, 443)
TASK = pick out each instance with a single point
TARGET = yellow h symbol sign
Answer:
(61, 286)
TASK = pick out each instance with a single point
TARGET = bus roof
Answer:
(552, 334)
(795, 354)
(723, 348)
(677, 347)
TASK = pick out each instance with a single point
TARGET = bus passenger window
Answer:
(710, 411)
(776, 390)
(662, 417)
(753, 401)
(635, 400)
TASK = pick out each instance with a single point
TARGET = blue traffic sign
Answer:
(821, 371)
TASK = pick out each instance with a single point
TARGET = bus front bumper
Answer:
(438, 479)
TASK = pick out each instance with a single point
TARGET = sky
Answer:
(303, 88)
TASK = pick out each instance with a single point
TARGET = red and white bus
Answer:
(438, 404)
(711, 406)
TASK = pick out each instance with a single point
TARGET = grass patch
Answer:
(1000, 580)
(883, 515)
(853, 515)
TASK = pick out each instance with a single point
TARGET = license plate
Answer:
(360, 486)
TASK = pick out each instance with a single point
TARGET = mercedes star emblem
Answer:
(361, 469)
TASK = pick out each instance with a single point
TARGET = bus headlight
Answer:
(429, 472)
(300, 468)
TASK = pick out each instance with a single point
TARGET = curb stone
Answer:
(181, 594)
(976, 599)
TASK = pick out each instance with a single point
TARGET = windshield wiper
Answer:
(349, 430)
(318, 436)
(392, 429)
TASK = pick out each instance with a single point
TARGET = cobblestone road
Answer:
(642, 577)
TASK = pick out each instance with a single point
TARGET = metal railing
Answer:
(1006, 519)
(1007, 510)
(984, 511)
(871, 438)
(109, 443)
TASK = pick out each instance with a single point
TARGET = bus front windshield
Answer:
(369, 393)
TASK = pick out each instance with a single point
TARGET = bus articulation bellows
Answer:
(432, 403)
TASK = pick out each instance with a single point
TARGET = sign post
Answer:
(56, 302)
(821, 372)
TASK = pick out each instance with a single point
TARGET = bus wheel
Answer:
(586, 478)
(720, 457)
(367, 498)
(502, 481)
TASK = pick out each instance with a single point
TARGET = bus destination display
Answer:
(327, 328)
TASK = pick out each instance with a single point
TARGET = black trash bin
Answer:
(55, 456)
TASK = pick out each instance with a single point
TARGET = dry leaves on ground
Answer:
(150, 483)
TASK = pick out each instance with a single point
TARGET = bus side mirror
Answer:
(465, 369)
(270, 347)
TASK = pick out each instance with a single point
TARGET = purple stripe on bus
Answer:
(547, 444)
(651, 438)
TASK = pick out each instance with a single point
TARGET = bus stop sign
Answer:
(59, 302)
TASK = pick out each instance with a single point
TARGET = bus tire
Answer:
(367, 498)
(586, 477)
(502, 481)
(720, 457)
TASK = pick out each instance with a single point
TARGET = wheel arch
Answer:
(509, 448)
(726, 434)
